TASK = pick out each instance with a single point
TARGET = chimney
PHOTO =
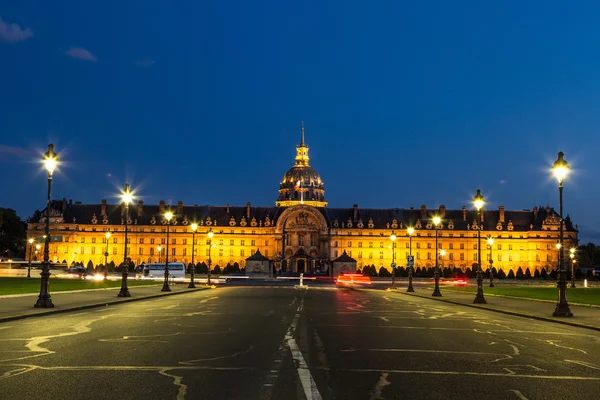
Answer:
(227, 208)
(423, 212)
(535, 212)
(161, 207)
(64, 204)
(248, 210)
(355, 214)
(180, 207)
(464, 210)
(501, 218)
(442, 211)
(140, 207)
(103, 208)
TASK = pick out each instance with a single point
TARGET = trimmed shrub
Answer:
(384, 273)
(511, 275)
(501, 274)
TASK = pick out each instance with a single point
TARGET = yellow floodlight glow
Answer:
(410, 230)
(560, 167)
(478, 200)
(194, 227)
(168, 215)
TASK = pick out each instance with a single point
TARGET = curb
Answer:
(96, 305)
(530, 299)
(498, 310)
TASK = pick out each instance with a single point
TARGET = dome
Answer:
(301, 184)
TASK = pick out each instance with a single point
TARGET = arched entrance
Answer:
(301, 266)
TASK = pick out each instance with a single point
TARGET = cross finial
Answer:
(302, 139)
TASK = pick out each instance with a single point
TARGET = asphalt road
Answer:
(290, 343)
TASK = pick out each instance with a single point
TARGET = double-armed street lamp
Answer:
(194, 228)
(29, 263)
(50, 160)
(393, 239)
(436, 273)
(410, 230)
(572, 256)
(166, 288)
(490, 242)
(478, 202)
(127, 197)
(107, 235)
(561, 168)
(210, 236)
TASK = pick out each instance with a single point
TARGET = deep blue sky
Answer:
(405, 103)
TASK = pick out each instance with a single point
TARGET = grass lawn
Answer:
(578, 295)
(9, 285)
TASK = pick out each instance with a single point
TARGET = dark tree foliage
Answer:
(12, 234)
(90, 267)
(384, 273)
(511, 274)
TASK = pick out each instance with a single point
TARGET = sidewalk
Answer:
(14, 307)
(583, 316)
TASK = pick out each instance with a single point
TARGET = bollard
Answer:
(585, 283)
(301, 279)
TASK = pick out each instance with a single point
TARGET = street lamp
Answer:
(210, 236)
(107, 234)
(572, 255)
(490, 243)
(393, 239)
(159, 249)
(166, 288)
(127, 197)
(442, 253)
(410, 232)
(560, 169)
(436, 273)
(478, 201)
(50, 160)
(29, 264)
(194, 228)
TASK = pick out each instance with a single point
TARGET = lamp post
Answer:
(393, 239)
(29, 264)
(410, 232)
(478, 201)
(166, 288)
(127, 196)
(436, 273)
(572, 256)
(558, 246)
(50, 160)
(490, 243)
(210, 236)
(561, 168)
(194, 228)
(108, 235)
(159, 249)
(442, 253)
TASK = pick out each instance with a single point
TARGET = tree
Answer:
(216, 270)
(384, 273)
(511, 274)
(90, 267)
(12, 234)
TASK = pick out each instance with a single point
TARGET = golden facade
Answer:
(300, 233)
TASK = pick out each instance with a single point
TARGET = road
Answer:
(292, 343)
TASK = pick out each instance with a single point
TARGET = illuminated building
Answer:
(301, 233)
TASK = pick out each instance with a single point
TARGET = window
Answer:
(537, 246)
(184, 241)
(547, 246)
(93, 250)
(510, 257)
(451, 256)
(267, 243)
(173, 251)
(475, 246)
(418, 255)
(173, 241)
(462, 246)
(406, 245)
(370, 245)
(451, 246)
(103, 240)
(231, 242)
(370, 255)
(141, 240)
(428, 245)
(93, 240)
(335, 254)
(242, 253)
(242, 242)
(151, 251)
(381, 255)
(335, 244)
(499, 257)
(220, 252)
(359, 244)
(349, 244)
(152, 241)
(82, 250)
(313, 239)
(252, 242)
(114, 251)
(474, 256)
(140, 251)
(267, 253)
(360, 254)
(83, 241)
(418, 245)
(381, 245)
(462, 256)
(537, 257)
(510, 246)
(548, 257)
(220, 242)
(185, 251)
(231, 252)
(499, 246)
(164, 241)
(429, 255)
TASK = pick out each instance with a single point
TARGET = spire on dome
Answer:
(302, 139)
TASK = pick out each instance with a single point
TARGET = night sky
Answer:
(404, 103)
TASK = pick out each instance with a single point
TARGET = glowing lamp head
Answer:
(168, 216)
(410, 231)
(490, 241)
(210, 233)
(50, 159)
(37, 247)
(159, 248)
(393, 236)
(572, 255)
(560, 167)
(194, 227)
(107, 234)
(436, 221)
(126, 195)
(442, 253)
(31, 241)
(478, 200)
(572, 250)
(558, 246)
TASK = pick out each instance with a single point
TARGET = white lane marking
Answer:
(424, 351)
(467, 373)
(384, 319)
(198, 360)
(554, 343)
(583, 363)
(177, 382)
(383, 382)
(519, 394)
(308, 383)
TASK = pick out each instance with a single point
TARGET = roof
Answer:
(257, 257)
(344, 258)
